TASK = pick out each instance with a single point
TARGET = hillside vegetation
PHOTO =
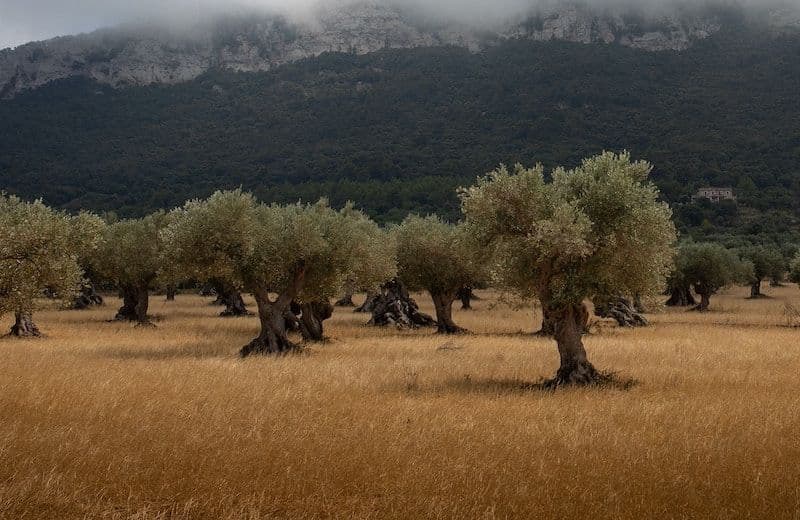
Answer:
(398, 130)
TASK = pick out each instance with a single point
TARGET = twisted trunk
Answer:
(24, 327)
(681, 296)
(466, 297)
(311, 317)
(273, 339)
(87, 297)
(621, 310)
(394, 306)
(755, 289)
(135, 302)
(142, 304)
(575, 369)
(171, 290)
(231, 298)
(369, 303)
(234, 304)
(705, 297)
(129, 300)
(443, 303)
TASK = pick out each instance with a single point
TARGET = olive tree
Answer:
(130, 256)
(709, 267)
(281, 254)
(768, 262)
(439, 258)
(679, 291)
(38, 252)
(597, 230)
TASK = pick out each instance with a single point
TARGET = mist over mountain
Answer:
(21, 22)
(263, 35)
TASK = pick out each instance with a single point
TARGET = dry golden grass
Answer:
(103, 420)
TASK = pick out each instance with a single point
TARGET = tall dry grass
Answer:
(103, 420)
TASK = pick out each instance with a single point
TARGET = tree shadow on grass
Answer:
(166, 354)
(469, 385)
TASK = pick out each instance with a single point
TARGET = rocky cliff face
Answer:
(127, 57)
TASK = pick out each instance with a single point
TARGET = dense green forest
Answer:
(399, 130)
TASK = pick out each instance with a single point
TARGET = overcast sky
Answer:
(22, 21)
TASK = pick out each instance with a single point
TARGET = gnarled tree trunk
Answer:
(394, 306)
(443, 303)
(142, 304)
(312, 316)
(129, 300)
(680, 296)
(273, 339)
(466, 297)
(234, 304)
(622, 311)
(87, 297)
(231, 298)
(369, 303)
(575, 369)
(170, 292)
(24, 327)
(135, 302)
(705, 297)
(755, 289)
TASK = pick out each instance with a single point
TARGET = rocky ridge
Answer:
(132, 57)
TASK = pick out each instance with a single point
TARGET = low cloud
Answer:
(27, 20)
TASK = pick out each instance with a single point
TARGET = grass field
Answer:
(103, 420)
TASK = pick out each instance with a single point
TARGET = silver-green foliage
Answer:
(130, 253)
(436, 256)
(273, 247)
(39, 248)
(709, 267)
(596, 230)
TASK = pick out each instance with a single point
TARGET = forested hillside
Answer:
(399, 130)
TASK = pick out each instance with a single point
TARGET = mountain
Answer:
(135, 56)
(398, 130)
